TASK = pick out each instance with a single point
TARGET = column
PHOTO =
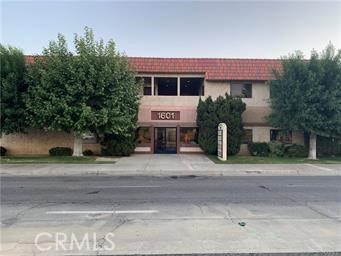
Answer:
(178, 139)
(152, 85)
(152, 139)
(178, 89)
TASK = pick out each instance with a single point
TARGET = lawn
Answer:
(53, 160)
(274, 160)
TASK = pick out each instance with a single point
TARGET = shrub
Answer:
(60, 151)
(210, 113)
(258, 148)
(295, 150)
(3, 151)
(328, 146)
(114, 145)
(277, 148)
(88, 152)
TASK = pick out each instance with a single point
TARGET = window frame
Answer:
(279, 131)
(232, 84)
(150, 137)
(244, 134)
(196, 137)
(201, 89)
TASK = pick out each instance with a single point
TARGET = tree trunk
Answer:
(312, 146)
(77, 146)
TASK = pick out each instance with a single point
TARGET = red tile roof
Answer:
(212, 68)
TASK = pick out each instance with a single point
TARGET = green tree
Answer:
(306, 95)
(13, 89)
(210, 113)
(93, 91)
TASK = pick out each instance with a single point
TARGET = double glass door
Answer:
(165, 140)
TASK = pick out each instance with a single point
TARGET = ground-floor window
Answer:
(143, 136)
(279, 135)
(247, 136)
(89, 139)
(189, 136)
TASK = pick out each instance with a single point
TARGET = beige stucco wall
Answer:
(216, 89)
(257, 107)
(260, 95)
(261, 134)
(170, 100)
(38, 142)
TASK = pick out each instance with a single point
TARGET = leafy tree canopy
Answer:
(93, 90)
(13, 88)
(306, 95)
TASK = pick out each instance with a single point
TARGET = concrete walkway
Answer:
(170, 165)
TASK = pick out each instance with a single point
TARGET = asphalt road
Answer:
(171, 215)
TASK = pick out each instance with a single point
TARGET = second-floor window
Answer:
(191, 86)
(165, 86)
(146, 85)
(243, 90)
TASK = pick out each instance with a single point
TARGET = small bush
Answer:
(296, 151)
(60, 151)
(328, 146)
(3, 151)
(259, 148)
(88, 152)
(277, 148)
(115, 145)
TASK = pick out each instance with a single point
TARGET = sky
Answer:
(224, 29)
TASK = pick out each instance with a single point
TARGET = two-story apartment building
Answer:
(173, 86)
(170, 95)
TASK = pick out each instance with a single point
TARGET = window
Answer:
(189, 135)
(278, 135)
(247, 136)
(166, 86)
(243, 90)
(191, 86)
(147, 85)
(89, 139)
(143, 136)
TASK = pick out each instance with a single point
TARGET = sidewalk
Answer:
(170, 165)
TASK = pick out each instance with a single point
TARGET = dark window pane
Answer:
(247, 136)
(278, 135)
(147, 90)
(89, 139)
(191, 86)
(243, 90)
(166, 86)
(146, 85)
(189, 135)
(143, 136)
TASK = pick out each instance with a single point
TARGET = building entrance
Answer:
(165, 140)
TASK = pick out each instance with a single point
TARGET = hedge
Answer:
(60, 151)
(259, 148)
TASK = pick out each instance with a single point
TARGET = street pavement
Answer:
(178, 214)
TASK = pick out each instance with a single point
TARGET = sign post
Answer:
(222, 142)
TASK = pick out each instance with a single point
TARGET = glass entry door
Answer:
(165, 140)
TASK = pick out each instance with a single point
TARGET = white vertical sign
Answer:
(222, 141)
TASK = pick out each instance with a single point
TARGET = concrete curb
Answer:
(53, 170)
(240, 254)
